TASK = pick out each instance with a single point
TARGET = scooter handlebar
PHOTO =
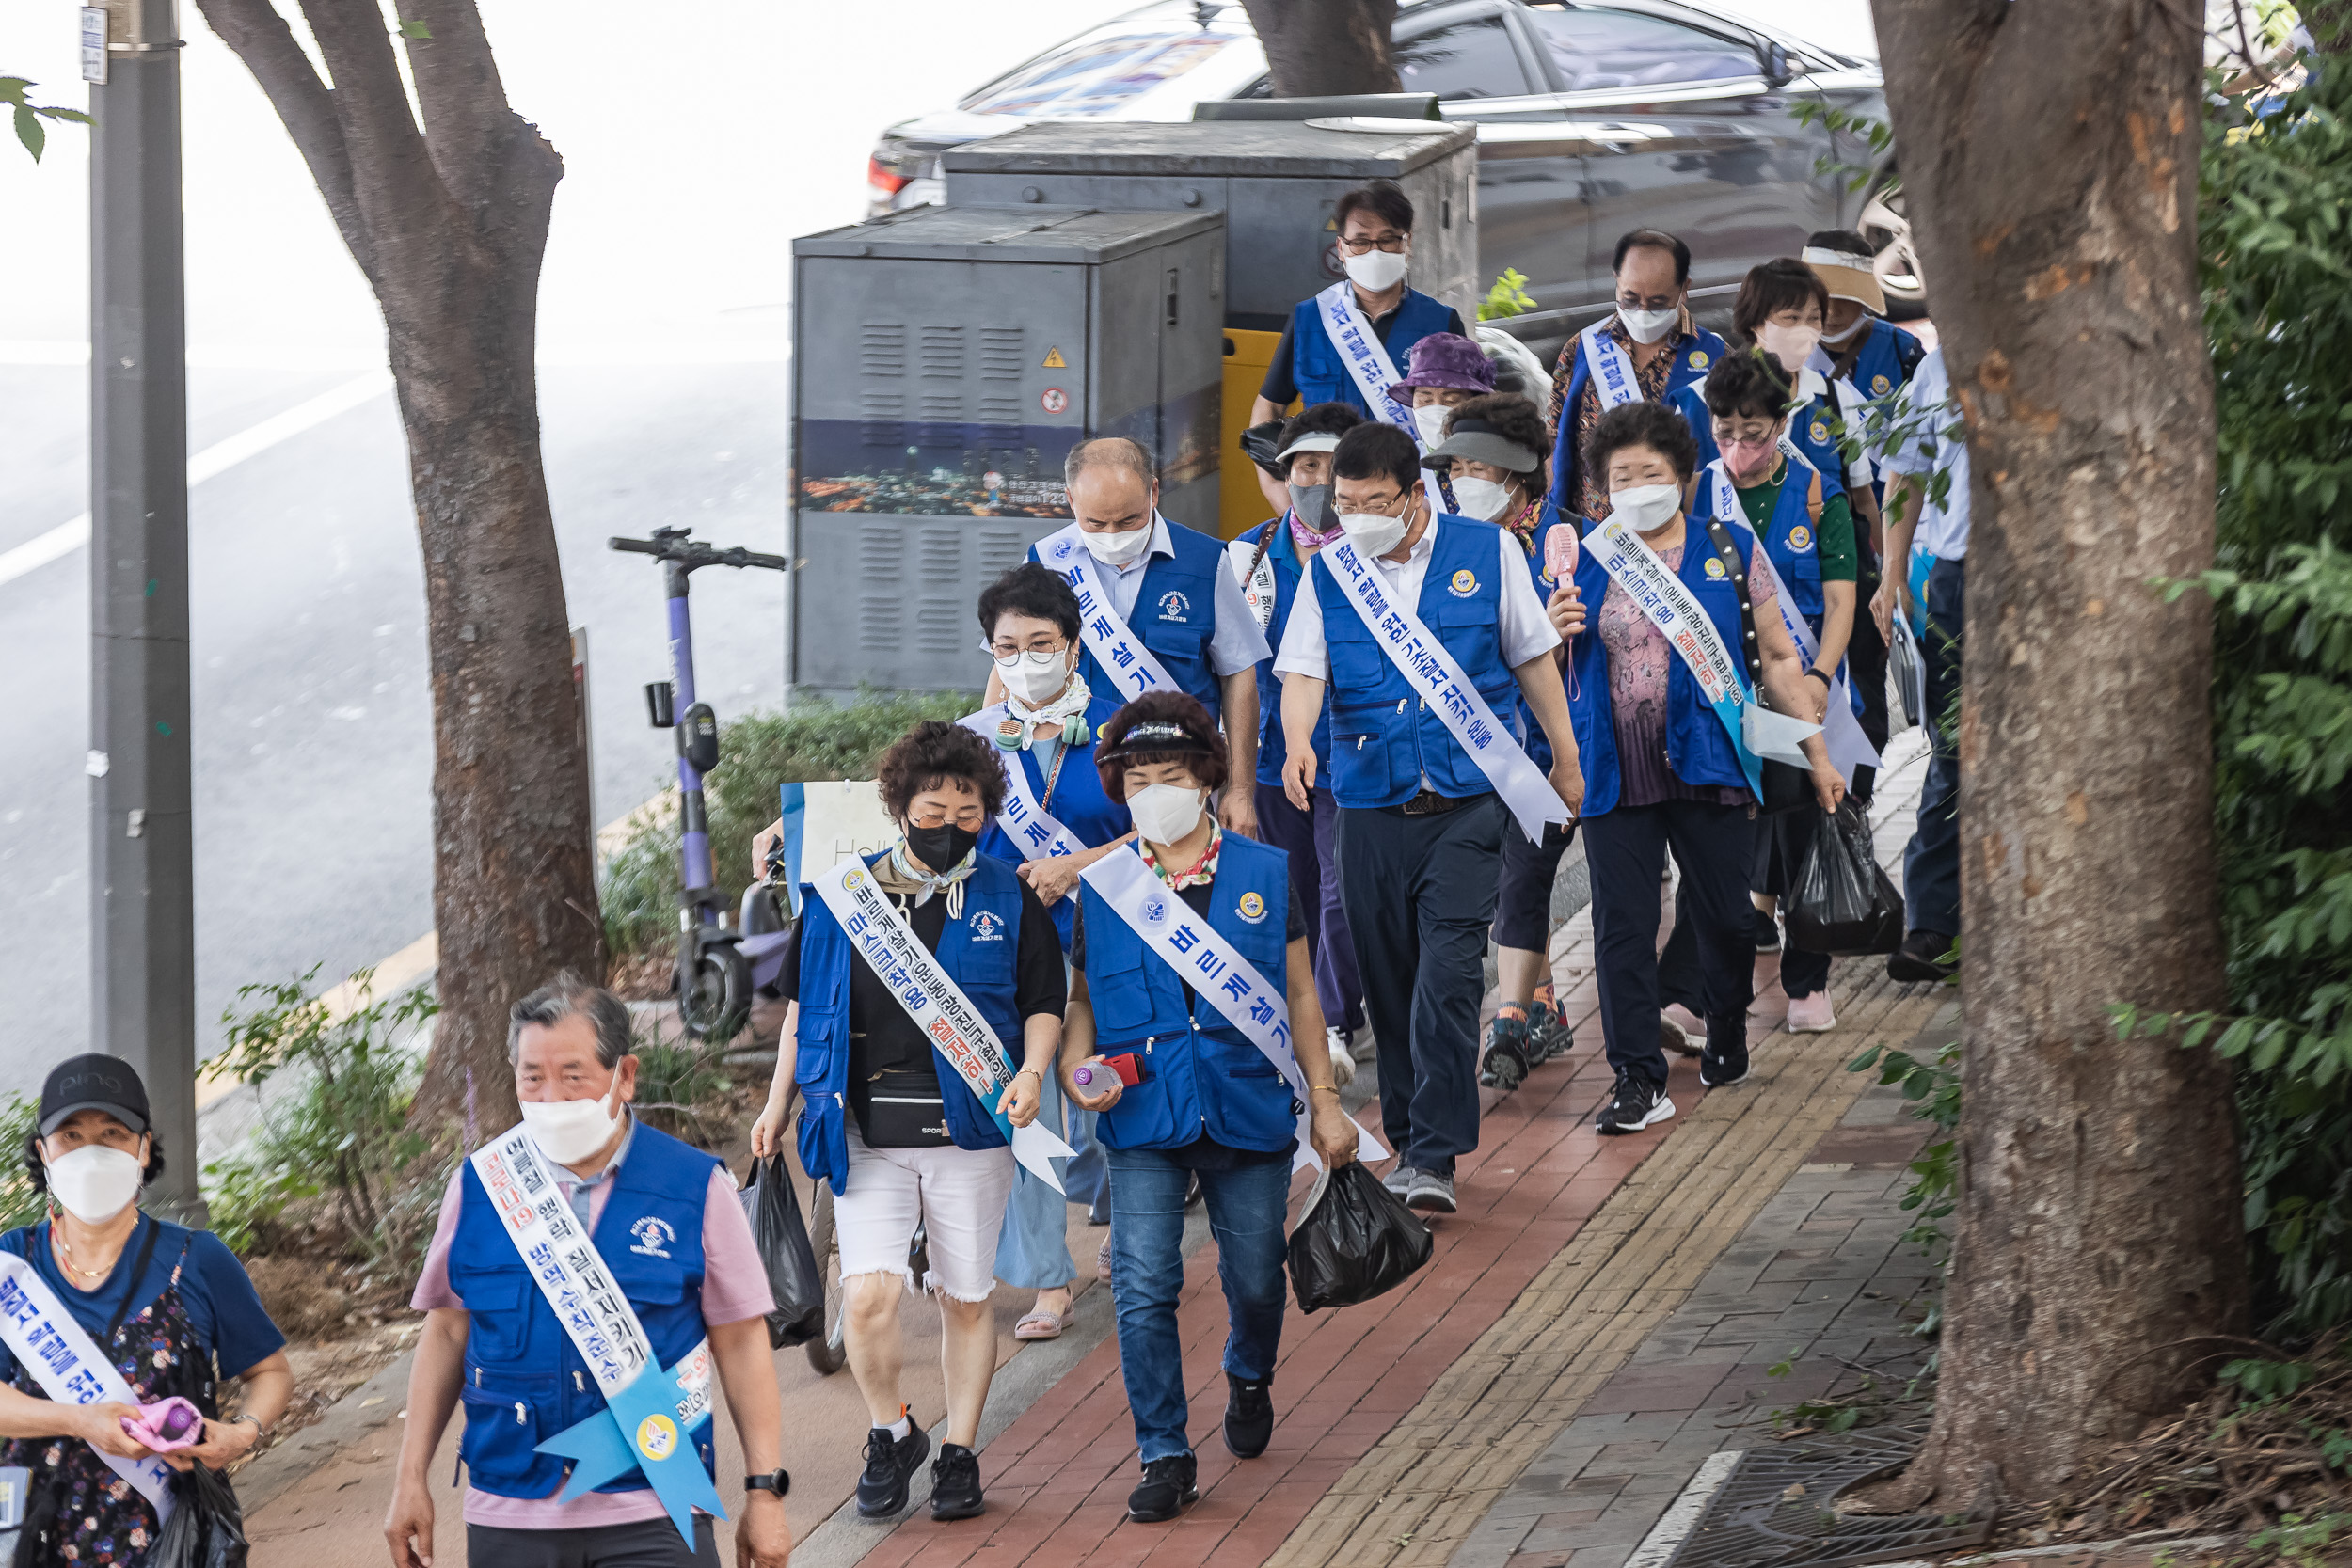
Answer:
(694, 553)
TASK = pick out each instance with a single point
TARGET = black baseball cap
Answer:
(93, 1083)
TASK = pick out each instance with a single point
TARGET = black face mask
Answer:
(943, 847)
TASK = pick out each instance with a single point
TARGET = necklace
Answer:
(65, 1255)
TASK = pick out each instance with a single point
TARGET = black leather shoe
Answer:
(1924, 956)
(956, 1483)
(890, 1462)
(1167, 1488)
(1248, 1417)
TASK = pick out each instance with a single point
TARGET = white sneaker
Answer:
(1342, 1065)
(1811, 1015)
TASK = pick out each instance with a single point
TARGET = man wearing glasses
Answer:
(1646, 350)
(1346, 344)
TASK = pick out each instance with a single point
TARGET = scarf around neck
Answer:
(1018, 732)
(898, 876)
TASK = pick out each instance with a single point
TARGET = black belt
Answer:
(1430, 803)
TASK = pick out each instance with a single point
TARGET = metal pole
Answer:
(143, 907)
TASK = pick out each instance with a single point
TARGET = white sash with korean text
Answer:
(1117, 649)
(1610, 367)
(572, 1278)
(1364, 355)
(1257, 582)
(960, 1036)
(69, 1366)
(1432, 673)
(1023, 819)
(1211, 965)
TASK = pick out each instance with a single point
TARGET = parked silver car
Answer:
(1592, 120)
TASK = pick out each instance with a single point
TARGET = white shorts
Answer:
(957, 1195)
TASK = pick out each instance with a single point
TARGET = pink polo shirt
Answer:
(735, 1287)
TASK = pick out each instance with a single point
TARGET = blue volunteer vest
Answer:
(1077, 803)
(979, 954)
(1273, 749)
(1174, 616)
(1319, 371)
(1791, 537)
(1538, 745)
(524, 1382)
(1691, 357)
(1883, 364)
(1812, 427)
(1384, 738)
(1697, 748)
(1200, 1073)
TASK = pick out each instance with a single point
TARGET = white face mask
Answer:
(1791, 345)
(94, 1183)
(1375, 271)
(1647, 327)
(569, 1131)
(1118, 549)
(1430, 420)
(1376, 533)
(1481, 499)
(1165, 812)
(1839, 339)
(1034, 677)
(1644, 506)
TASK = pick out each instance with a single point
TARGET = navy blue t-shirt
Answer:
(221, 1303)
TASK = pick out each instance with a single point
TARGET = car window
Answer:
(1098, 73)
(1593, 48)
(1468, 59)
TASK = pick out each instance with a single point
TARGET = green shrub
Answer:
(680, 1087)
(817, 740)
(20, 1203)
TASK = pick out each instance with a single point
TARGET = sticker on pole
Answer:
(94, 44)
(1056, 400)
(1054, 361)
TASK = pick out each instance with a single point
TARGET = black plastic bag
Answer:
(1844, 903)
(207, 1527)
(1355, 1240)
(782, 1237)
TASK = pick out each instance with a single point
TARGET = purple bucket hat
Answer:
(1446, 359)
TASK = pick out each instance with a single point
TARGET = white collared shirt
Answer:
(1522, 629)
(1236, 643)
(1935, 442)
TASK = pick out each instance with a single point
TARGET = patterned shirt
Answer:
(1592, 499)
(1638, 660)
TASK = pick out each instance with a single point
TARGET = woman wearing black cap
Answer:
(126, 1312)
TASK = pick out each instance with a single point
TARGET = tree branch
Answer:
(467, 117)
(264, 40)
(401, 198)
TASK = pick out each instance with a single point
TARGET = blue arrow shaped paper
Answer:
(648, 1426)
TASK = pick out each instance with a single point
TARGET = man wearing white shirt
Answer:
(1420, 821)
(1171, 601)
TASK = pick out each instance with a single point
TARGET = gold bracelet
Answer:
(1030, 1073)
(1326, 1088)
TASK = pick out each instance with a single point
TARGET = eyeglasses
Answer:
(964, 817)
(1039, 657)
(1727, 436)
(1627, 299)
(1390, 243)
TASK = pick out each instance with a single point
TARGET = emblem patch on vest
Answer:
(1879, 386)
(1465, 583)
(1800, 538)
(1251, 908)
(1819, 433)
(987, 927)
(1174, 606)
(654, 1236)
(657, 1438)
(1698, 360)
(1714, 565)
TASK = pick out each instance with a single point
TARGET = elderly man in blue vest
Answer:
(1426, 628)
(1160, 610)
(588, 1279)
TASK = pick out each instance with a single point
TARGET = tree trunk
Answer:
(2049, 151)
(450, 228)
(1326, 48)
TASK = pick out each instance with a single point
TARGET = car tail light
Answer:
(883, 181)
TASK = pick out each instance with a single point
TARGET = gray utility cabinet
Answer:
(945, 360)
(1275, 180)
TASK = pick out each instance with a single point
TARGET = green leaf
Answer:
(415, 30)
(30, 132)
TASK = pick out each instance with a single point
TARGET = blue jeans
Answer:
(1931, 860)
(1245, 1210)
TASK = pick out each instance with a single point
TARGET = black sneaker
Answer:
(1548, 1034)
(1767, 933)
(1637, 1103)
(1721, 1071)
(1167, 1489)
(1248, 1417)
(1505, 1067)
(1922, 956)
(890, 1462)
(956, 1483)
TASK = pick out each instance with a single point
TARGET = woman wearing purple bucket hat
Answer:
(1447, 370)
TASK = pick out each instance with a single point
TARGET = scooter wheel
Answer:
(715, 993)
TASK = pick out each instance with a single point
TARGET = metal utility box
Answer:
(1275, 180)
(945, 360)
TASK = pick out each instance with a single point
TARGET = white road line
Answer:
(1683, 1515)
(72, 535)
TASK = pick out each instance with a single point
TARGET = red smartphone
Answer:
(1560, 553)
(1130, 1071)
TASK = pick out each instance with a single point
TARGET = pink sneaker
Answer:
(1681, 1030)
(1811, 1015)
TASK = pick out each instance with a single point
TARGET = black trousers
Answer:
(1865, 665)
(1419, 892)
(1625, 850)
(647, 1543)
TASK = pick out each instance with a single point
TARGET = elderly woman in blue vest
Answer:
(1778, 313)
(1374, 303)
(1180, 1092)
(1493, 446)
(1056, 821)
(1648, 349)
(901, 1130)
(656, 1219)
(1269, 561)
(161, 1310)
(1160, 611)
(1661, 769)
(1421, 782)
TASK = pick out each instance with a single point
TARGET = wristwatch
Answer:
(778, 1481)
